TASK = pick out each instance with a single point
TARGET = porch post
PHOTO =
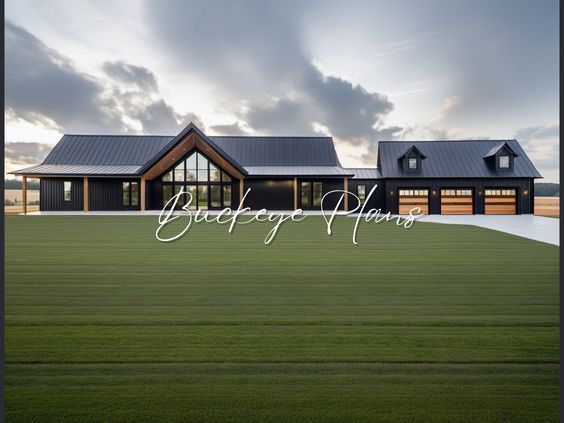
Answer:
(241, 190)
(24, 194)
(142, 194)
(85, 194)
(295, 193)
(346, 194)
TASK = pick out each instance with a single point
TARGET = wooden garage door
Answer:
(412, 198)
(457, 201)
(501, 201)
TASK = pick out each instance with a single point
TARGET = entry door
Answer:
(457, 201)
(501, 201)
(413, 198)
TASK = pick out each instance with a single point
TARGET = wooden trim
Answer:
(24, 194)
(241, 191)
(85, 193)
(295, 193)
(142, 188)
(346, 195)
(184, 147)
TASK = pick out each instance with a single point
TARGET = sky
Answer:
(360, 71)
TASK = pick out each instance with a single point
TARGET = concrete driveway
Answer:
(538, 228)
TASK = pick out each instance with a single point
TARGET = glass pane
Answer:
(227, 196)
(361, 191)
(202, 197)
(225, 177)
(179, 172)
(167, 176)
(317, 194)
(306, 194)
(191, 175)
(413, 163)
(125, 193)
(504, 162)
(215, 173)
(167, 193)
(215, 196)
(182, 199)
(67, 190)
(191, 162)
(193, 200)
(135, 193)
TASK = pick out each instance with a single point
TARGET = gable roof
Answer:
(500, 146)
(118, 155)
(453, 159)
(415, 149)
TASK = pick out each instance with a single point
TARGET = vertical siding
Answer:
(106, 194)
(271, 194)
(378, 198)
(51, 196)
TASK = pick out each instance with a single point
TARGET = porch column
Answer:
(85, 194)
(346, 194)
(241, 190)
(295, 193)
(24, 194)
(142, 194)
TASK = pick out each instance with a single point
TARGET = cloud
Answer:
(21, 154)
(43, 87)
(542, 144)
(236, 128)
(447, 107)
(255, 54)
(138, 76)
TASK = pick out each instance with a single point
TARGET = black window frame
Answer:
(65, 199)
(362, 200)
(128, 193)
(311, 196)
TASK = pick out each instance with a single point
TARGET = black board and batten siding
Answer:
(52, 194)
(107, 194)
(270, 194)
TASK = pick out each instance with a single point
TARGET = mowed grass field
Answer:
(438, 323)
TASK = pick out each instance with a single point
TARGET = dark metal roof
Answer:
(365, 173)
(498, 147)
(106, 150)
(298, 171)
(453, 159)
(279, 151)
(79, 170)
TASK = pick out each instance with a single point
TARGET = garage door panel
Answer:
(406, 208)
(457, 201)
(456, 209)
(501, 201)
(414, 198)
(501, 209)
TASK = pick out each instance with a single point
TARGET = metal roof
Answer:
(498, 147)
(279, 151)
(79, 170)
(298, 171)
(453, 159)
(106, 150)
(365, 173)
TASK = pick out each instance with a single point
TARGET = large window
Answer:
(209, 186)
(67, 185)
(312, 193)
(130, 194)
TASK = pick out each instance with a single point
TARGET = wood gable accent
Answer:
(184, 147)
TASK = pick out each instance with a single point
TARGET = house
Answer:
(108, 172)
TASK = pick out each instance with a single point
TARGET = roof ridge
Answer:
(268, 136)
(119, 135)
(453, 140)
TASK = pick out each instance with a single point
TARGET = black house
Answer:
(107, 172)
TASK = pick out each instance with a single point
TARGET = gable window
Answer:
(67, 190)
(504, 162)
(361, 193)
(207, 184)
(412, 163)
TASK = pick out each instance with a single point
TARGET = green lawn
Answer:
(439, 323)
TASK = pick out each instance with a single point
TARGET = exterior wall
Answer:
(328, 185)
(51, 196)
(524, 202)
(378, 199)
(106, 194)
(271, 194)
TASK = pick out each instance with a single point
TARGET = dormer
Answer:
(411, 160)
(501, 157)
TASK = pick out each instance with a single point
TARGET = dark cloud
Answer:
(256, 55)
(231, 129)
(25, 153)
(131, 74)
(44, 88)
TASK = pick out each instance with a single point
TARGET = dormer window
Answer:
(504, 162)
(413, 163)
(411, 160)
(501, 157)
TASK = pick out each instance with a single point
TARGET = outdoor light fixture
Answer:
(434, 192)
(391, 193)
(525, 192)
(479, 192)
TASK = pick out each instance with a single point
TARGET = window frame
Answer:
(505, 157)
(67, 199)
(363, 198)
(312, 202)
(414, 160)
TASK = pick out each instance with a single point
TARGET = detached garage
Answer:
(457, 201)
(501, 201)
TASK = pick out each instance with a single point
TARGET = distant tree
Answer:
(543, 189)
(16, 184)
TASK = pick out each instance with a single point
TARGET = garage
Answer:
(457, 201)
(501, 201)
(413, 198)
